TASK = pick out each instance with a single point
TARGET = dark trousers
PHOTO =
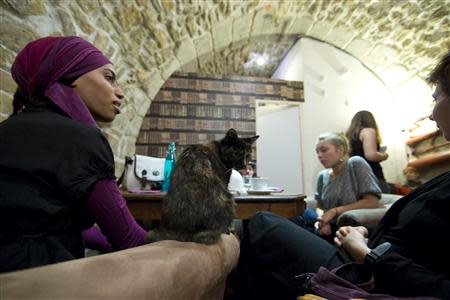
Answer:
(273, 251)
(384, 186)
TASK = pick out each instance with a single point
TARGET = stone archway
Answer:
(152, 39)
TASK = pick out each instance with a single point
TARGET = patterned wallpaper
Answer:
(195, 109)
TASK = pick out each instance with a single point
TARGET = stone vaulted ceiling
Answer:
(150, 39)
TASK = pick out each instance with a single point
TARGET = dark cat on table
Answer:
(198, 206)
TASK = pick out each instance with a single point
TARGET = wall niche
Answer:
(195, 109)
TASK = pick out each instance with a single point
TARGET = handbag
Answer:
(143, 173)
(350, 280)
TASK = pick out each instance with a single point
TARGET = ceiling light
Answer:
(260, 61)
(257, 60)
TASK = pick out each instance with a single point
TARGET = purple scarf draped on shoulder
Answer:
(46, 66)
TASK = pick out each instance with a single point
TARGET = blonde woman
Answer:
(345, 184)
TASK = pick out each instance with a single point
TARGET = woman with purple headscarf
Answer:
(56, 167)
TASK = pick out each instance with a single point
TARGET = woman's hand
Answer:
(327, 217)
(353, 240)
(325, 230)
(324, 220)
(383, 155)
(363, 230)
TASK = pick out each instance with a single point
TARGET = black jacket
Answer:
(48, 163)
(418, 227)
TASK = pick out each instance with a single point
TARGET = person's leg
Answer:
(384, 186)
(274, 251)
(306, 220)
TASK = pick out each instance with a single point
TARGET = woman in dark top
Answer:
(56, 167)
(408, 251)
(364, 137)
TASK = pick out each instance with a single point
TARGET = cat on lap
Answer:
(198, 206)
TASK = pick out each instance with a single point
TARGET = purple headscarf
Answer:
(42, 66)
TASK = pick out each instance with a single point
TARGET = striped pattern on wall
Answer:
(195, 109)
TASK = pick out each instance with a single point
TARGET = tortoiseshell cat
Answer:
(198, 206)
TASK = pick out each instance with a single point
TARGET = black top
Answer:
(418, 227)
(356, 147)
(48, 162)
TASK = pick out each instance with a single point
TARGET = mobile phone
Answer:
(382, 149)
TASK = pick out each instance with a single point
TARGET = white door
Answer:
(278, 148)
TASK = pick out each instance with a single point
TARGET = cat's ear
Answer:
(251, 140)
(231, 135)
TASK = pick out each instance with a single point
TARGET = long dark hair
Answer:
(441, 74)
(362, 119)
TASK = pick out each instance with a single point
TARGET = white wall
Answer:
(279, 145)
(336, 87)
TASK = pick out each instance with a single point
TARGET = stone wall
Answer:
(149, 40)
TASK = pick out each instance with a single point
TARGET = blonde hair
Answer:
(337, 139)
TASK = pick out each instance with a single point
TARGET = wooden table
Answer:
(147, 206)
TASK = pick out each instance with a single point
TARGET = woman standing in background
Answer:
(364, 137)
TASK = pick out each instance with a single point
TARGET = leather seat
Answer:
(362, 217)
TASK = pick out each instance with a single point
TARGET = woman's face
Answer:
(441, 111)
(411, 174)
(328, 154)
(100, 92)
(248, 170)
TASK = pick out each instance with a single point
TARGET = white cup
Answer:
(259, 183)
(236, 182)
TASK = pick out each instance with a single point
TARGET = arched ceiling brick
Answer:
(149, 40)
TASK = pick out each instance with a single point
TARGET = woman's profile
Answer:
(56, 167)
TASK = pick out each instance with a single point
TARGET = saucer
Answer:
(270, 189)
